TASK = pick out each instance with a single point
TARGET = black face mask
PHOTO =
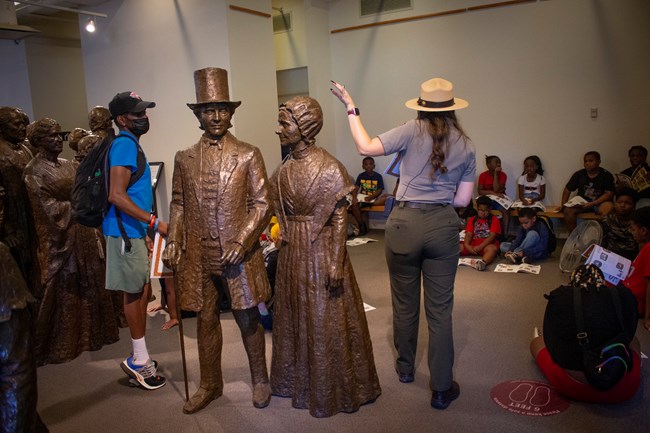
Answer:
(140, 126)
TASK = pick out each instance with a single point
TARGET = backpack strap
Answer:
(141, 162)
(581, 335)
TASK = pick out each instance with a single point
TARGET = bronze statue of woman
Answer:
(322, 353)
(75, 313)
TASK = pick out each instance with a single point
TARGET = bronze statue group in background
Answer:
(75, 313)
(221, 202)
(53, 305)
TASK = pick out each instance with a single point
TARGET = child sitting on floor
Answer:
(531, 242)
(617, 226)
(481, 234)
(638, 281)
(493, 182)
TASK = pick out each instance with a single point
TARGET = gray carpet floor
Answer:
(494, 316)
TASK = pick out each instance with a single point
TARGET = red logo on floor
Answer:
(529, 397)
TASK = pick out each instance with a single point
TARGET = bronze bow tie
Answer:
(211, 142)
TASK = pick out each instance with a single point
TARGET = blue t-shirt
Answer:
(415, 183)
(124, 153)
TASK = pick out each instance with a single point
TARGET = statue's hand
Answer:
(334, 281)
(233, 254)
(12, 241)
(172, 255)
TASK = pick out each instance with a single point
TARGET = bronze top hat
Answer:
(212, 88)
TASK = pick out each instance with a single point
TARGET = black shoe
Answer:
(405, 377)
(442, 399)
(363, 229)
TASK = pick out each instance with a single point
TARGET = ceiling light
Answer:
(90, 27)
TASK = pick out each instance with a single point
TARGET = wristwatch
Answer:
(353, 112)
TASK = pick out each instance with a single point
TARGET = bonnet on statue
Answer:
(307, 114)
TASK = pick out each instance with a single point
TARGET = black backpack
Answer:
(90, 191)
(588, 327)
(605, 364)
(552, 238)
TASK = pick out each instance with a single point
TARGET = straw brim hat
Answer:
(436, 95)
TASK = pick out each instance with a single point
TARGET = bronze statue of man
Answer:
(74, 138)
(101, 126)
(18, 233)
(219, 208)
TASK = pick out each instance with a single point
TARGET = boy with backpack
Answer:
(534, 239)
(125, 227)
(481, 234)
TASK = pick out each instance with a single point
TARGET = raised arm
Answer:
(365, 145)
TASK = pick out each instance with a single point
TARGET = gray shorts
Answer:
(128, 272)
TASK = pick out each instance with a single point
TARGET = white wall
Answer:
(60, 92)
(319, 70)
(290, 47)
(531, 73)
(154, 47)
(252, 74)
(14, 80)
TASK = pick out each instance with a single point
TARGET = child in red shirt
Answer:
(481, 234)
(493, 182)
(638, 281)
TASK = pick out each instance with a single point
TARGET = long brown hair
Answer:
(439, 124)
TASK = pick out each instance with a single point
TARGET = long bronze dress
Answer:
(322, 353)
(76, 313)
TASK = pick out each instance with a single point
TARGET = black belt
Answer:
(418, 205)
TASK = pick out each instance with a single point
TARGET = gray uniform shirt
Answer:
(414, 142)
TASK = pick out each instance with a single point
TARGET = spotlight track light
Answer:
(90, 27)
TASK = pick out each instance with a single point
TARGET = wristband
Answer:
(152, 220)
(353, 111)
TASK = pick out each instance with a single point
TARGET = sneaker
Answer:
(511, 257)
(144, 374)
(525, 259)
(480, 265)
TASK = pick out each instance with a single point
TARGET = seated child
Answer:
(638, 159)
(465, 213)
(481, 234)
(638, 281)
(594, 184)
(493, 182)
(531, 183)
(560, 357)
(370, 184)
(617, 231)
(531, 242)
